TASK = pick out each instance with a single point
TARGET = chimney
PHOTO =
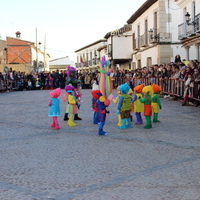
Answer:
(18, 34)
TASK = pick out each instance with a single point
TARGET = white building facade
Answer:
(188, 18)
(119, 47)
(88, 57)
(155, 33)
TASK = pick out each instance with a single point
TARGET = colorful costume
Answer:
(54, 110)
(72, 108)
(156, 105)
(116, 101)
(146, 100)
(72, 80)
(105, 87)
(96, 95)
(124, 106)
(101, 115)
(138, 106)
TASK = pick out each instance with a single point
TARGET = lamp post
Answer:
(188, 19)
(156, 36)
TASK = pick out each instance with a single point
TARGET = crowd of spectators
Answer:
(189, 71)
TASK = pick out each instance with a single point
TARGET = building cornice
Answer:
(141, 10)
(94, 43)
(29, 42)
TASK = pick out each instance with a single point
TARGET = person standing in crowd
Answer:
(87, 80)
(177, 59)
(42, 79)
(56, 79)
(62, 77)
(197, 85)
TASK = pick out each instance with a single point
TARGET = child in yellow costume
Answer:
(72, 108)
(116, 101)
(138, 106)
(156, 105)
(146, 100)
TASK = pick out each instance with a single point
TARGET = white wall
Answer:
(122, 47)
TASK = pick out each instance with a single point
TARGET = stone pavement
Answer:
(74, 163)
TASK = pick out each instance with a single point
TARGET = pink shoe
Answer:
(57, 126)
(52, 125)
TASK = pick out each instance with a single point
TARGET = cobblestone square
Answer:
(74, 163)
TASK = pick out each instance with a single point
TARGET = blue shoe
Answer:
(123, 124)
(101, 132)
(128, 123)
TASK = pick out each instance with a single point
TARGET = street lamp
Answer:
(94, 59)
(157, 36)
(188, 19)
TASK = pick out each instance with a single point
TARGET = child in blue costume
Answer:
(101, 115)
(96, 95)
(54, 110)
(124, 106)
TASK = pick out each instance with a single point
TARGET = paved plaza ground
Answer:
(74, 163)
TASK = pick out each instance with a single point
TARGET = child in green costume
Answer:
(156, 105)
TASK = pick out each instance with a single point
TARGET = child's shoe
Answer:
(52, 125)
(57, 126)
(71, 123)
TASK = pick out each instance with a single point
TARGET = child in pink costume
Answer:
(54, 107)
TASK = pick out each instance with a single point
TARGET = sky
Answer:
(65, 25)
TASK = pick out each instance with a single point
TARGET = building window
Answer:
(139, 64)
(155, 23)
(134, 41)
(109, 50)
(149, 61)
(134, 65)
(138, 33)
(146, 31)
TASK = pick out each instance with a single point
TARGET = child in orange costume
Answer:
(138, 106)
(146, 100)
